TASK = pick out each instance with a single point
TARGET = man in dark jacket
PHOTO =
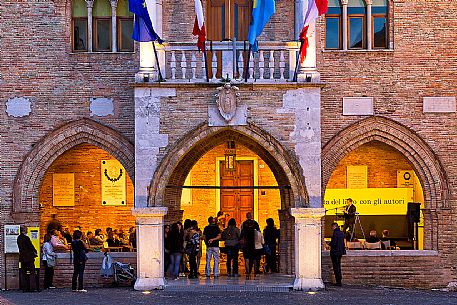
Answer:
(337, 250)
(349, 218)
(27, 254)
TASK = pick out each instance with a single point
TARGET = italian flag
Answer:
(199, 25)
(312, 10)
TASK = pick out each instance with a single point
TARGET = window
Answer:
(124, 27)
(356, 24)
(102, 25)
(333, 25)
(379, 27)
(79, 14)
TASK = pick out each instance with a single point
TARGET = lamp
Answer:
(230, 156)
(146, 78)
(309, 77)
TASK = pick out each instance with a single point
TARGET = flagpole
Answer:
(247, 65)
(298, 60)
(206, 61)
(161, 79)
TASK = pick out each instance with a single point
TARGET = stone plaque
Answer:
(358, 106)
(101, 107)
(63, 190)
(113, 183)
(18, 107)
(357, 176)
(442, 104)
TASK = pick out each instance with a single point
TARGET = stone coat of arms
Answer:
(227, 99)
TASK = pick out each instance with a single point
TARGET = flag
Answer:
(262, 10)
(312, 9)
(199, 25)
(143, 29)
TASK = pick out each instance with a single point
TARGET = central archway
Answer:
(179, 160)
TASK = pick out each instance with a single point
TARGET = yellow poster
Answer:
(405, 178)
(356, 176)
(370, 201)
(63, 190)
(113, 183)
(34, 234)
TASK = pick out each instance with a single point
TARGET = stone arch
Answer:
(424, 161)
(44, 152)
(179, 160)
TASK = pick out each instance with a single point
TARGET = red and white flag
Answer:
(312, 9)
(199, 25)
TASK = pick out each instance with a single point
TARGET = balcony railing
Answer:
(183, 62)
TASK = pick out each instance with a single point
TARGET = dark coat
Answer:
(337, 243)
(349, 214)
(27, 251)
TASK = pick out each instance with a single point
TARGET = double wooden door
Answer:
(235, 203)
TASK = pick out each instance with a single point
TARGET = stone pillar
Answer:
(308, 70)
(345, 23)
(113, 25)
(149, 239)
(308, 242)
(369, 32)
(298, 20)
(147, 58)
(90, 5)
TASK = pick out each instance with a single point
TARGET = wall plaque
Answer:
(356, 176)
(442, 104)
(63, 190)
(10, 239)
(113, 183)
(358, 106)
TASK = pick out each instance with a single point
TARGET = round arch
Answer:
(180, 159)
(425, 163)
(44, 152)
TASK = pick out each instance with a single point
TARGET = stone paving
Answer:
(330, 295)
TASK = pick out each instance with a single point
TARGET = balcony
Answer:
(182, 62)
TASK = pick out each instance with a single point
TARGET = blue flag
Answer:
(142, 29)
(262, 10)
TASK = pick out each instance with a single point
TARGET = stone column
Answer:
(308, 242)
(345, 23)
(113, 25)
(369, 32)
(90, 5)
(149, 239)
(298, 20)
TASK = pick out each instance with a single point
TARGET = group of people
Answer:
(183, 244)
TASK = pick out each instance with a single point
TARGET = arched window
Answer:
(333, 25)
(379, 24)
(124, 26)
(356, 24)
(79, 14)
(102, 25)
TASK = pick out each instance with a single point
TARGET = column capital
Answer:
(369, 2)
(308, 213)
(344, 2)
(90, 3)
(149, 212)
(113, 3)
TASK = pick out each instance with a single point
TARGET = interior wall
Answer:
(84, 161)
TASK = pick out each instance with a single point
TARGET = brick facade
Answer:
(37, 63)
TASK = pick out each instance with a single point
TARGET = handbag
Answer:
(50, 260)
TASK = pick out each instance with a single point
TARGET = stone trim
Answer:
(386, 253)
(36, 162)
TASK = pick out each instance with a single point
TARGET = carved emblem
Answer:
(228, 96)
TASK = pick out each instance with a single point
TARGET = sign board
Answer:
(370, 201)
(356, 176)
(63, 190)
(405, 178)
(113, 183)
(34, 234)
(11, 233)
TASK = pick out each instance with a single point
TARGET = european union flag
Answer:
(262, 10)
(143, 29)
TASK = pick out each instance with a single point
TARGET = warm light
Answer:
(146, 292)
(312, 292)
(230, 156)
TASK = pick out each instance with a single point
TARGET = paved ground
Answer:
(332, 295)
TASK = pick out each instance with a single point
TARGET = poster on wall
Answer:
(34, 234)
(113, 183)
(405, 178)
(63, 190)
(10, 240)
(357, 176)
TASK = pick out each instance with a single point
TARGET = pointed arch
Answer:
(48, 149)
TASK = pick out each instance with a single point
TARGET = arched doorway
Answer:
(170, 176)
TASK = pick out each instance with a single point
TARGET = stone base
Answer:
(149, 283)
(308, 284)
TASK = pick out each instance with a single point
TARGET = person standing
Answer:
(79, 261)
(270, 235)
(27, 254)
(349, 218)
(337, 250)
(176, 240)
(231, 236)
(212, 234)
(247, 242)
(49, 261)
(194, 241)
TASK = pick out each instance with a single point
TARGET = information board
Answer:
(63, 189)
(11, 233)
(113, 183)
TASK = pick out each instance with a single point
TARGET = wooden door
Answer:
(237, 202)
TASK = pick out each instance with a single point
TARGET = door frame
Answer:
(256, 182)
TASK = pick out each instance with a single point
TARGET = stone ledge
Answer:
(386, 253)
